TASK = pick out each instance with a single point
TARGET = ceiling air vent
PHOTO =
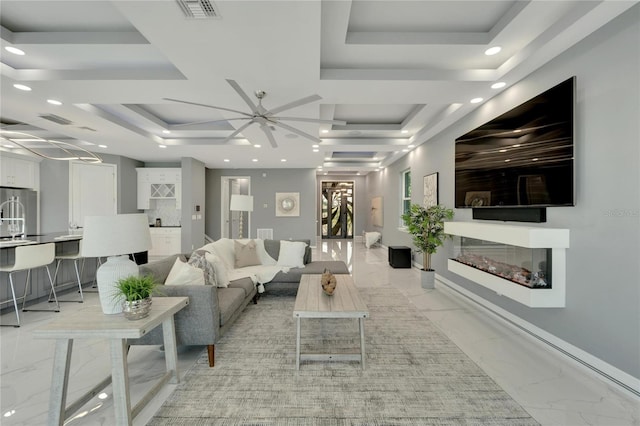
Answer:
(56, 119)
(198, 9)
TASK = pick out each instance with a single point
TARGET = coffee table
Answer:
(311, 302)
(91, 323)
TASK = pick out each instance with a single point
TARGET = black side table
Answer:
(399, 257)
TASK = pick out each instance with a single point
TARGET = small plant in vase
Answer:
(427, 228)
(135, 292)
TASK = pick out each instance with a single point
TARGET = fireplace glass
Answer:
(529, 267)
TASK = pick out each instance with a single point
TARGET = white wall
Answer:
(602, 313)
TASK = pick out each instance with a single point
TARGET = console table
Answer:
(91, 323)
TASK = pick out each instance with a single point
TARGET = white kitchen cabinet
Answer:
(159, 184)
(18, 172)
(165, 241)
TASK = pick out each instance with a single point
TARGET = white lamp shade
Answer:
(243, 203)
(115, 235)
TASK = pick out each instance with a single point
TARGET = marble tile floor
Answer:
(553, 389)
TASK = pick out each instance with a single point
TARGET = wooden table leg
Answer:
(120, 382)
(362, 355)
(170, 349)
(298, 343)
(60, 381)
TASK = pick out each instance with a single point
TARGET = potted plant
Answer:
(427, 228)
(135, 293)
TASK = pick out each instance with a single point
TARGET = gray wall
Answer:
(54, 190)
(361, 204)
(602, 313)
(193, 194)
(264, 185)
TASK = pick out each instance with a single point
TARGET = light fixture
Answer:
(507, 160)
(502, 150)
(315, 146)
(316, 150)
(492, 50)
(405, 150)
(8, 145)
(476, 100)
(114, 237)
(534, 159)
(404, 131)
(283, 160)
(54, 102)
(102, 146)
(516, 145)
(257, 146)
(255, 160)
(162, 146)
(241, 203)
(22, 87)
(226, 160)
(63, 151)
(166, 132)
(411, 146)
(325, 131)
(498, 85)
(14, 50)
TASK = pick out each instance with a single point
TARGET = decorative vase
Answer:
(107, 276)
(428, 279)
(136, 309)
(328, 282)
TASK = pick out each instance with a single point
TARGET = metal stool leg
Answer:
(26, 290)
(78, 275)
(15, 303)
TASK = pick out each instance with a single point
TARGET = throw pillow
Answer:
(291, 254)
(184, 274)
(246, 254)
(222, 277)
(199, 260)
(223, 248)
(265, 258)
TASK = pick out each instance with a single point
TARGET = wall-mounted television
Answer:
(524, 157)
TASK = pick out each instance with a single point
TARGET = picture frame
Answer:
(287, 204)
(430, 190)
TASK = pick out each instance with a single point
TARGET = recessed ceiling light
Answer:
(507, 160)
(405, 150)
(517, 131)
(358, 173)
(284, 160)
(226, 160)
(516, 145)
(255, 160)
(375, 158)
(22, 87)
(498, 85)
(162, 146)
(315, 146)
(535, 159)
(54, 102)
(502, 150)
(316, 150)
(476, 100)
(404, 131)
(166, 132)
(319, 167)
(492, 50)
(14, 50)
(325, 131)
(8, 146)
(257, 145)
(410, 146)
(326, 173)
(102, 146)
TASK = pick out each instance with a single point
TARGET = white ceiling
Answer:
(397, 72)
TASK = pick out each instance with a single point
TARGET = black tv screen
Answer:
(524, 157)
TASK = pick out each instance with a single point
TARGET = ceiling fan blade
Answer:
(267, 131)
(294, 104)
(208, 106)
(243, 95)
(207, 121)
(238, 130)
(311, 120)
(296, 131)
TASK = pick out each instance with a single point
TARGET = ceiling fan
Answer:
(262, 116)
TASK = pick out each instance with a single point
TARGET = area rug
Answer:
(414, 374)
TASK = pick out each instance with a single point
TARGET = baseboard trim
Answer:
(603, 370)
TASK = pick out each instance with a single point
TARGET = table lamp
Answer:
(114, 237)
(241, 203)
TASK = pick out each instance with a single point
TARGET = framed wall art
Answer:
(288, 204)
(430, 184)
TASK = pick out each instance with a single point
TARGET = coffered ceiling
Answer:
(396, 72)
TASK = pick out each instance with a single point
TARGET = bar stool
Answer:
(76, 257)
(30, 257)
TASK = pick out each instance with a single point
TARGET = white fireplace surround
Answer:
(523, 236)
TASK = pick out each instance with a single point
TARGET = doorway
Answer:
(337, 209)
(233, 223)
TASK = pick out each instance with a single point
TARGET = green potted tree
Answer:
(427, 228)
(135, 293)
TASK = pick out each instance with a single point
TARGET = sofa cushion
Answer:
(291, 254)
(272, 248)
(246, 284)
(184, 274)
(199, 260)
(222, 276)
(246, 254)
(229, 300)
(160, 269)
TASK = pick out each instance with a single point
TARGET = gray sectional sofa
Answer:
(212, 310)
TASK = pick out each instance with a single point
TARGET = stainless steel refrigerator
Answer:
(29, 200)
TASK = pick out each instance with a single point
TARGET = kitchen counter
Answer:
(53, 237)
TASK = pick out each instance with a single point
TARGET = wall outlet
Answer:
(264, 206)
